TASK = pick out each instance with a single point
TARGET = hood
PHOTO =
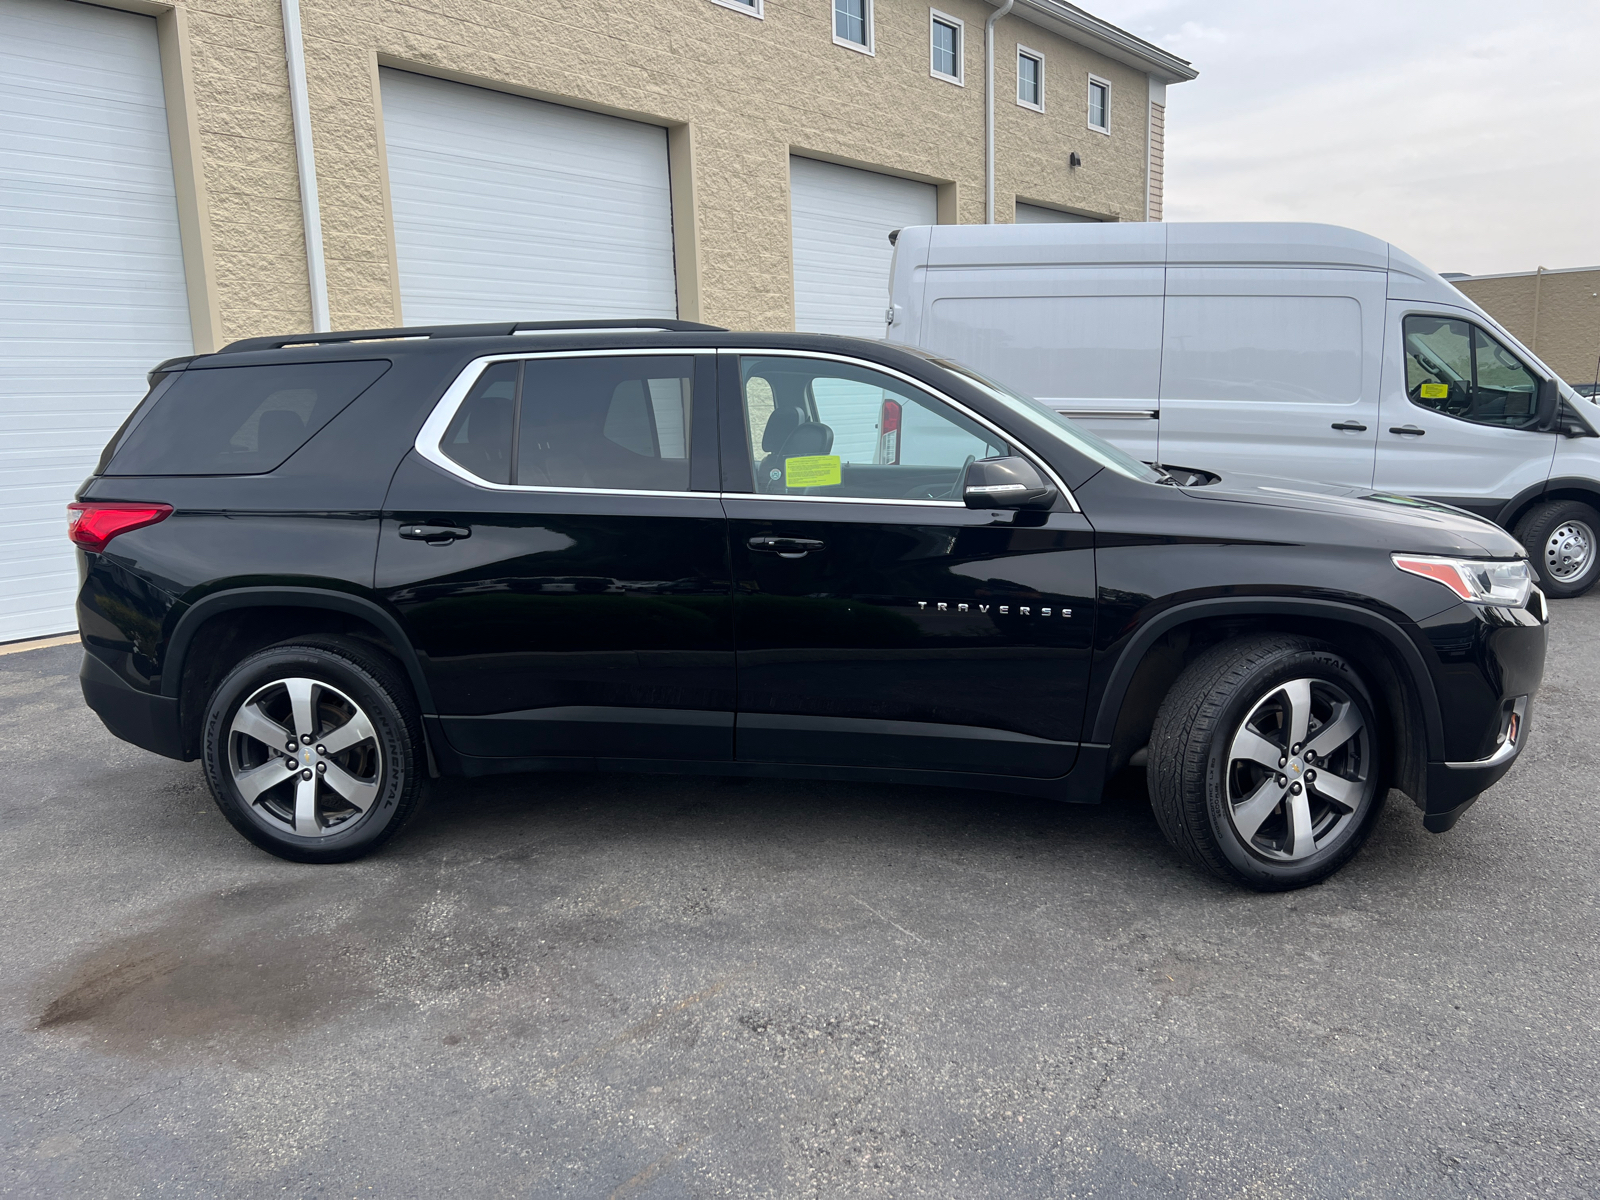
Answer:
(1392, 522)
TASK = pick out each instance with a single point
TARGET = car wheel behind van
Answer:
(1562, 539)
(1265, 762)
(313, 750)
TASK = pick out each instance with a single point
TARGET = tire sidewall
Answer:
(277, 663)
(1309, 663)
(1533, 532)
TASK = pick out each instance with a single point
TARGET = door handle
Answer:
(785, 547)
(1407, 430)
(434, 535)
(1350, 426)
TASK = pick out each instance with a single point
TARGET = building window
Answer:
(852, 24)
(1030, 79)
(751, 8)
(945, 48)
(1099, 105)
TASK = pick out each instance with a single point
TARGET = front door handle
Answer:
(1407, 430)
(1350, 426)
(785, 547)
(434, 535)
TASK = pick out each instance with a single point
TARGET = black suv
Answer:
(330, 565)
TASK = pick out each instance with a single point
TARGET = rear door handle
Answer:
(1350, 426)
(1407, 430)
(434, 535)
(785, 547)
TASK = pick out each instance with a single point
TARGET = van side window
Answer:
(1457, 369)
(821, 428)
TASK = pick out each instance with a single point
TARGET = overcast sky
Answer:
(1467, 132)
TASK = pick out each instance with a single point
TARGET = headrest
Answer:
(810, 438)
(279, 431)
(780, 425)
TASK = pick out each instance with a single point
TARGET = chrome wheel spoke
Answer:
(254, 723)
(1257, 807)
(1338, 731)
(302, 696)
(354, 731)
(1302, 838)
(253, 782)
(1297, 699)
(1252, 747)
(1343, 792)
(305, 808)
(358, 792)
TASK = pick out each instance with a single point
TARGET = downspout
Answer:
(306, 165)
(988, 109)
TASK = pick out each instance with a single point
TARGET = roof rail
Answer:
(495, 329)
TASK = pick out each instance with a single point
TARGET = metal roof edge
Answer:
(1073, 23)
(1528, 274)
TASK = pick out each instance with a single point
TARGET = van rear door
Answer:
(1272, 371)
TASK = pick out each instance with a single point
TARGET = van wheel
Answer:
(1560, 538)
(313, 750)
(1265, 762)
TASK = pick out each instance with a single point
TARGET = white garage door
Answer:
(507, 208)
(841, 219)
(91, 274)
(1034, 214)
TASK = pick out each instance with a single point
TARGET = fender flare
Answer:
(1531, 495)
(1116, 687)
(290, 597)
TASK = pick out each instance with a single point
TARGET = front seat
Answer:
(789, 434)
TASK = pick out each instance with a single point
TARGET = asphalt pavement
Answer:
(615, 986)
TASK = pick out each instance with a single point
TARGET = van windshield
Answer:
(1042, 416)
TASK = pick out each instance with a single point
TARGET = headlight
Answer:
(1475, 580)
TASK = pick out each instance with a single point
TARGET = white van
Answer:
(1307, 352)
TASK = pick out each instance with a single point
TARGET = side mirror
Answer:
(1549, 402)
(1006, 483)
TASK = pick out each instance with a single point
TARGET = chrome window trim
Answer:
(1032, 456)
(431, 435)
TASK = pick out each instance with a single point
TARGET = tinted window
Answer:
(238, 420)
(830, 429)
(1459, 370)
(579, 422)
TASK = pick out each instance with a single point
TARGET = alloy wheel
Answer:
(1568, 549)
(1299, 770)
(304, 757)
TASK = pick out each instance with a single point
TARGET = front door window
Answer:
(1457, 369)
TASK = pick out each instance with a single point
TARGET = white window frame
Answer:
(753, 9)
(1038, 64)
(1088, 104)
(935, 17)
(867, 8)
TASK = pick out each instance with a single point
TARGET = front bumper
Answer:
(148, 721)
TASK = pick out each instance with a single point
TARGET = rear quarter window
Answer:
(237, 420)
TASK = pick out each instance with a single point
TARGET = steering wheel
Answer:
(931, 492)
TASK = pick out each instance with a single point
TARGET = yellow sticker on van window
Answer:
(1436, 391)
(816, 470)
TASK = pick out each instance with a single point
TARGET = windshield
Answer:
(1042, 416)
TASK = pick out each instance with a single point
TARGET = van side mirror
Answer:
(1006, 483)
(1549, 403)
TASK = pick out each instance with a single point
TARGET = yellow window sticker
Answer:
(1436, 391)
(816, 470)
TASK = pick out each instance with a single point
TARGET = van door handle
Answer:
(1407, 430)
(434, 535)
(1350, 426)
(785, 547)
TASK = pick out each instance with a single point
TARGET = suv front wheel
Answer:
(1265, 762)
(313, 750)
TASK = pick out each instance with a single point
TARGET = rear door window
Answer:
(238, 420)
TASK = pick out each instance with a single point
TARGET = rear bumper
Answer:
(149, 722)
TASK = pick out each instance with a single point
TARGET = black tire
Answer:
(1554, 534)
(387, 768)
(1194, 777)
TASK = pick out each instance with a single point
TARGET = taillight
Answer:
(92, 524)
(889, 433)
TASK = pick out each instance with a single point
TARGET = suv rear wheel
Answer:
(313, 750)
(1264, 762)
(1560, 538)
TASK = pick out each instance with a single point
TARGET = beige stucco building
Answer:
(1556, 314)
